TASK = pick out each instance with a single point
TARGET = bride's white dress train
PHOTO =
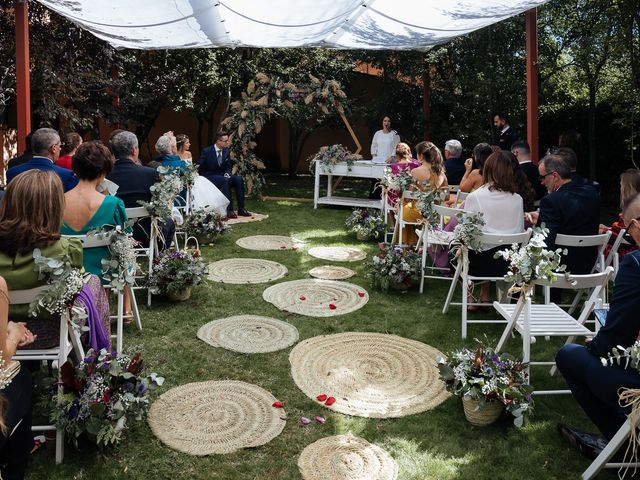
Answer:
(205, 194)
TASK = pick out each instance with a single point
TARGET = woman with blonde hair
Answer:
(429, 175)
(629, 186)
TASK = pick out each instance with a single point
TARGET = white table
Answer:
(359, 169)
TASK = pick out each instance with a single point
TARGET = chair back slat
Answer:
(563, 240)
(577, 282)
(90, 241)
(448, 211)
(137, 212)
(497, 239)
(21, 297)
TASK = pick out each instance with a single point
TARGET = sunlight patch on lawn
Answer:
(353, 425)
(415, 463)
(318, 234)
(287, 203)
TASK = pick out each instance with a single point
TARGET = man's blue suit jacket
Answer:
(69, 180)
(208, 163)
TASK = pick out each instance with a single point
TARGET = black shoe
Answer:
(231, 214)
(243, 212)
(588, 444)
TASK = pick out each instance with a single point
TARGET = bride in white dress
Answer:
(204, 194)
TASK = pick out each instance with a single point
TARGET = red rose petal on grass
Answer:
(321, 398)
(330, 401)
(320, 420)
(361, 294)
(332, 306)
(305, 421)
(277, 405)
(303, 298)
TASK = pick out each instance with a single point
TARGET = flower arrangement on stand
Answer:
(102, 396)
(366, 224)
(330, 156)
(487, 383)
(204, 224)
(175, 273)
(394, 267)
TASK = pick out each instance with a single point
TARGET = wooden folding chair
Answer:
(462, 272)
(549, 320)
(69, 340)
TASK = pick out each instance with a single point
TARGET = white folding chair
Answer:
(584, 241)
(146, 253)
(462, 273)
(92, 241)
(435, 236)
(549, 320)
(461, 197)
(602, 460)
(613, 258)
(401, 223)
(69, 340)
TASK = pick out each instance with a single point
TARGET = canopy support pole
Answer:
(23, 82)
(531, 17)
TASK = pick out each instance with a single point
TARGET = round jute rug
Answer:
(205, 418)
(369, 374)
(316, 298)
(338, 254)
(249, 334)
(269, 242)
(345, 457)
(245, 270)
(331, 272)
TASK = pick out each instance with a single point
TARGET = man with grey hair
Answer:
(454, 164)
(45, 144)
(570, 208)
(134, 182)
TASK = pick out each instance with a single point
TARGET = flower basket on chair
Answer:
(481, 414)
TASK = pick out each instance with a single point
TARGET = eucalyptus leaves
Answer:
(119, 269)
(468, 231)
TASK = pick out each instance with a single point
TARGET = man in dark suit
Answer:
(134, 182)
(26, 156)
(507, 134)
(522, 152)
(453, 163)
(45, 143)
(215, 164)
(570, 208)
(595, 386)
(571, 158)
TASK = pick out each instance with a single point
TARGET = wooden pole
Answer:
(531, 17)
(23, 82)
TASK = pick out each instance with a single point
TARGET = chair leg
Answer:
(424, 264)
(607, 452)
(465, 292)
(120, 322)
(452, 288)
(134, 307)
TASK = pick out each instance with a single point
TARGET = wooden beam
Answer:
(426, 100)
(531, 17)
(23, 82)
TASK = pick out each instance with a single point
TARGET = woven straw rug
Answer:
(269, 242)
(338, 254)
(205, 418)
(245, 270)
(345, 457)
(316, 298)
(370, 374)
(249, 334)
(331, 272)
(255, 217)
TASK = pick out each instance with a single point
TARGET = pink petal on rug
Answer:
(305, 421)
(361, 294)
(277, 405)
(303, 298)
(321, 398)
(332, 306)
(282, 247)
(330, 401)
(320, 420)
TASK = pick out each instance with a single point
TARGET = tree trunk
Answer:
(592, 129)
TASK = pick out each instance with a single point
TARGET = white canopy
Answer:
(346, 24)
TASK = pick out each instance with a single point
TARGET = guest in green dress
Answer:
(87, 209)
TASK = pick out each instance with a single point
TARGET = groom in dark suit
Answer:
(215, 164)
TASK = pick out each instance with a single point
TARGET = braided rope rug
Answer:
(316, 298)
(331, 272)
(249, 334)
(245, 270)
(338, 254)
(370, 374)
(212, 417)
(345, 457)
(269, 242)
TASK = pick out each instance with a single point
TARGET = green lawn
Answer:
(438, 444)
